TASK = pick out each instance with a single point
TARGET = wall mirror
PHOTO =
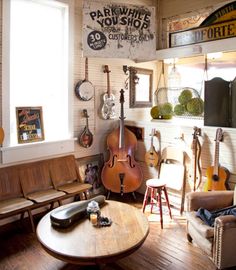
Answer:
(141, 84)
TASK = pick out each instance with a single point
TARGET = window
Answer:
(36, 65)
(192, 72)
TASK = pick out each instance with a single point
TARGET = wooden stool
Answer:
(156, 186)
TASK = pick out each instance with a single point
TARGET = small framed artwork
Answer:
(90, 172)
(29, 124)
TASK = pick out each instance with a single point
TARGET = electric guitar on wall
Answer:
(217, 176)
(108, 108)
(151, 157)
(86, 137)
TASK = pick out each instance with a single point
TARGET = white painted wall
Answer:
(99, 127)
(140, 117)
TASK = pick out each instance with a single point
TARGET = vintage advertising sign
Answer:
(119, 31)
(202, 34)
(29, 124)
(225, 13)
(219, 25)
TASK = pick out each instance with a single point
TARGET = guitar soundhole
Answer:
(215, 177)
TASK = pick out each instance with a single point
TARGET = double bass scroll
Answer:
(121, 173)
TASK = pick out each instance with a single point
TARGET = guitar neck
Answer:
(108, 85)
(87, 127)
(87, 117)
(86, 68)
(216, 158)
(152, 147)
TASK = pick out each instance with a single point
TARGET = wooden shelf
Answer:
(223, 45)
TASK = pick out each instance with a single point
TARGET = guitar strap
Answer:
(199, 149)
(162, 75)
(196, 148)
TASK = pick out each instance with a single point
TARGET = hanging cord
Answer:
(205, 68)
(205, 74)
(95, 110)
(162, 74)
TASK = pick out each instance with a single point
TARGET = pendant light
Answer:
(174, 78)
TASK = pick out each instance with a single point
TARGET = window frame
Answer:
(33, 150)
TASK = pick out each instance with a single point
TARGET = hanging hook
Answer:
(206, 67)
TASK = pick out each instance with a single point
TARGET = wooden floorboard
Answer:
(166, 249)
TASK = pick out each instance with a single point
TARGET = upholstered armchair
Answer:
(218, 242)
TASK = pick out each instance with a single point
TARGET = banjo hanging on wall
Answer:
(84, 89)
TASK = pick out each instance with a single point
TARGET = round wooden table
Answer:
(84, 244)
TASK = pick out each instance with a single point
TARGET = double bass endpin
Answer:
(122, 176)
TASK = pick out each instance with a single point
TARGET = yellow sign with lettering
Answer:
(219, 25)
(202, 34)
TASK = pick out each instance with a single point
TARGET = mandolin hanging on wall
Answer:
(86, 137)
(152, 157)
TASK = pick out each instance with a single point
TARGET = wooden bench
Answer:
(65, 176)
(37, 184)
(12, 200)
(32, 185)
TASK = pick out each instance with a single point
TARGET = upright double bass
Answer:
(121, 173)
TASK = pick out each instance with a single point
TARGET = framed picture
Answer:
(29, 124)
(90, 172)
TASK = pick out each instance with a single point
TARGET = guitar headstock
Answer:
(85, 112)
(106, 69)
(219, 135)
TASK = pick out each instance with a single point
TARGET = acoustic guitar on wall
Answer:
(1, 135)
(217, 176)
(151, 157)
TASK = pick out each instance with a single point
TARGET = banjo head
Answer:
(84, 90)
